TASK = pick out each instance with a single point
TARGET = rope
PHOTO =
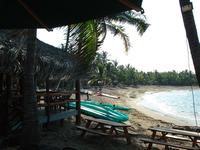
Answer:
(26, 7)
(193, 99)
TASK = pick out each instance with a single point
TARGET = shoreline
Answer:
(134, 103)
(133, 95)
(160, 116)
(140, 121)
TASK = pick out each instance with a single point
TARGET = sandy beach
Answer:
(140, 120)
(130, 96)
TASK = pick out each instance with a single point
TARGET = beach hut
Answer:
(48, 14)
(48, 66)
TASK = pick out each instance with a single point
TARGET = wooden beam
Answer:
(56, 103)
(191, 32)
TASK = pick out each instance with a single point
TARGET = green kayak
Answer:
(114, 107)
(100, 111)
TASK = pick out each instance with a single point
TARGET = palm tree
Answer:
(30, 133)
(83, 42)
(100, 70)
(102, 26)
(115, 23)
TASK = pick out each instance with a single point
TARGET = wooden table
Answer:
(161, 135)
(105, 128)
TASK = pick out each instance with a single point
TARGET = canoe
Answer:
(108, 95)
(100, 111)
(114, 107)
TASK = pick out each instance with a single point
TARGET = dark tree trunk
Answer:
(6, 102)
(1, 105)
(191, 31)
(1, 83)
(5, 95)
(78, 98)
(30, 133)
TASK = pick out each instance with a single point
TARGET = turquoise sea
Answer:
(179, 104)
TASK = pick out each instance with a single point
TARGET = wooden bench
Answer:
(91, 130)
(105, 127)
(167, 144)
(168, 133)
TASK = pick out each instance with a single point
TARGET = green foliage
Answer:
(110, 73)
(114, 23)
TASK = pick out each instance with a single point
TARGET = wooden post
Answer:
(30, 134)
(1, 83)
(191, 31)
(2, 95)
(47, 99)
(78, 103)
(4, 106)
(6, 102)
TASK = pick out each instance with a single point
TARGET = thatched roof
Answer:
(51, 62)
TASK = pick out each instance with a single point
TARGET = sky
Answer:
(162, 47)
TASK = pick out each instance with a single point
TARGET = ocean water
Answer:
(177, 104)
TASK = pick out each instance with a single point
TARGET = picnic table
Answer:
(105, 128)
(161, 136)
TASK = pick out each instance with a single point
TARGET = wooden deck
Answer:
(52, 106)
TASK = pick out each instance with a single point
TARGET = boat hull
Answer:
(100, 111)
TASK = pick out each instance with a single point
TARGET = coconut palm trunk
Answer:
(30, 133)
(191, 31)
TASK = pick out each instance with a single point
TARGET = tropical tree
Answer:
(83, 41)
(99, 70)
(30, 137)
(115, 24)
(30, 134)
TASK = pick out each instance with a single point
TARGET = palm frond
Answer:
(131, 18)
(119, 30)
(84, 42)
